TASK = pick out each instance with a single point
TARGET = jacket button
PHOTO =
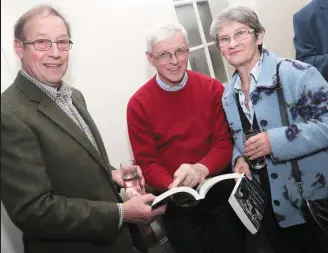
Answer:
(263, 122)
(276, 203)
(274, 175)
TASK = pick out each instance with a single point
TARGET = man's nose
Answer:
(174, 59)
(54, 51)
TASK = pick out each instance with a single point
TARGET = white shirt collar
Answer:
(166, 87)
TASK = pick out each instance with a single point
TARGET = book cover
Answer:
(248, 201)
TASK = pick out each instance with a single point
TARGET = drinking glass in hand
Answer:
(131, 178)
(259, 162)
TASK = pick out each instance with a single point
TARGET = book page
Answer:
(204, 187)
(164, 197)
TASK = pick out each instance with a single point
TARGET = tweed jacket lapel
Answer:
(102, 157)
(89, 121)
(50, 109)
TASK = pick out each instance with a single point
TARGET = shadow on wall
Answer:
(11, 236)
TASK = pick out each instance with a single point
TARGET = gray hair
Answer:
(161, 32)
(240, 14)
(40, 10)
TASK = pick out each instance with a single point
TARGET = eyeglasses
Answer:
(180, 53)
(45, 45)
(238, 36)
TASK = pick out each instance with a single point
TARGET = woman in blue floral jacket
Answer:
(250, 101)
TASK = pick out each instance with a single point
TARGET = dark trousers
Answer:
(209, 227)
(296, 239)
(304, 238)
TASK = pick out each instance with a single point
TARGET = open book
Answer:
(248, 201)
(189, 194)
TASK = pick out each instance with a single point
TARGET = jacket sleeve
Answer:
(308, 116)
(235, 154)
(306, 50)
(28, 196)
(219, 156)
(143, 144)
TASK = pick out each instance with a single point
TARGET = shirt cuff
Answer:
(121, 214)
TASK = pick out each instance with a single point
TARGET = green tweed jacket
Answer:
(55, 186)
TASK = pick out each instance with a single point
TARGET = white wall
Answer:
(11, 236)
(277, 18)
(108, 63)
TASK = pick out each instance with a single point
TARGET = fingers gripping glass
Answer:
(44, 44)
(131, 178)
(238, 36)
(257, 163)
(180, 53)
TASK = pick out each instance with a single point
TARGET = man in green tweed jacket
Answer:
(56, 181)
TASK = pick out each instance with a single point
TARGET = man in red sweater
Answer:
(179, 136)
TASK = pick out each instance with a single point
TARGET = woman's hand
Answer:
(257, 146)
(242, 167)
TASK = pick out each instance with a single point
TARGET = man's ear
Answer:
(150, 58)
(18, 45)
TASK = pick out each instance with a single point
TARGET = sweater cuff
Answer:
(164, 184)
(159, 182)
(121, 214)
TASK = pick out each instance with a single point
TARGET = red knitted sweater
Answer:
(167, 129)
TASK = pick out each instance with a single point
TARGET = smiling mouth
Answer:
(236, 52)
(175, 70)
(48, 65)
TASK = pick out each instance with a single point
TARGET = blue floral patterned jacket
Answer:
(306, 96)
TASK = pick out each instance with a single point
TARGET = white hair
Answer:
(162, 32)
